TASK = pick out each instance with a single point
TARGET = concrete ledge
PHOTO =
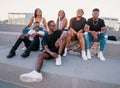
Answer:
(8, 38)
(74, 73)
(115, 33)
(11, 27)
(112, 49)
(53, 80)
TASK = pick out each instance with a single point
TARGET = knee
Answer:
(80, 35)
(104, 37)
(86, 35)
(22, 36)
(69, 34)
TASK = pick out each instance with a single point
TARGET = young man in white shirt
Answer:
(31, 41)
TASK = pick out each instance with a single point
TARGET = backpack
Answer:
(113, 38)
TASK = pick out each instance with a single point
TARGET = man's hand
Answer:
(22, 36)
(80, 31)
(34, 34)
(94, 35)
(57, 43)
(55, 55)
(73, 32)
(40, 35)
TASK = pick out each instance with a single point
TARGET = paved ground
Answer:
(4, 84)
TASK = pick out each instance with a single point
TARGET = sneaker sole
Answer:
(29, 79)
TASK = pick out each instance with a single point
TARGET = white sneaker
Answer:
(84, 57)
(33, 76)
(24, 48)
(100, 56)
(88, 54)
(58, 60)
(65, 52)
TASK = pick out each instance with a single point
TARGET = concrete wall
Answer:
(11, 27)
(17, 28)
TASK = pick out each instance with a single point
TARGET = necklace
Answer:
(95, 22)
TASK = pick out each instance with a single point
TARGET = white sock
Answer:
(83, 53)
(88, 50)
(65, 49)
(59, 55)
(65, 52)
(100, 52)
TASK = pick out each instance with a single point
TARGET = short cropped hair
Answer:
(96, 9)
(49, 22)
(81, 10)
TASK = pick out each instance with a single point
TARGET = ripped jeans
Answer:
(102, 38)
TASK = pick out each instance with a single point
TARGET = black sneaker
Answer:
(11, 54)
(25, 54)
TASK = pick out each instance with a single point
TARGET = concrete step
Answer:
(11, 27)
(74, 72)
(9, 38)
(112, 48)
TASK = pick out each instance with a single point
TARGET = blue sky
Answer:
(50, 8)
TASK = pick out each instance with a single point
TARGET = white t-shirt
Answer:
(31, 31)
(60, 23)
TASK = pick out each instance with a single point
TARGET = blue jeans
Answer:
(25, 31)
(102, 38)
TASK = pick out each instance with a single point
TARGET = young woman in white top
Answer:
(37, 17)
(61, 21)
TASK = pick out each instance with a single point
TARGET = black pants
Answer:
(30, 45)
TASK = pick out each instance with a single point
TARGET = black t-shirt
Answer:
(95, 25)
(50, 39)
(77, 25)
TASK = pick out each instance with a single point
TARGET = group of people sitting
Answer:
(54, 38)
